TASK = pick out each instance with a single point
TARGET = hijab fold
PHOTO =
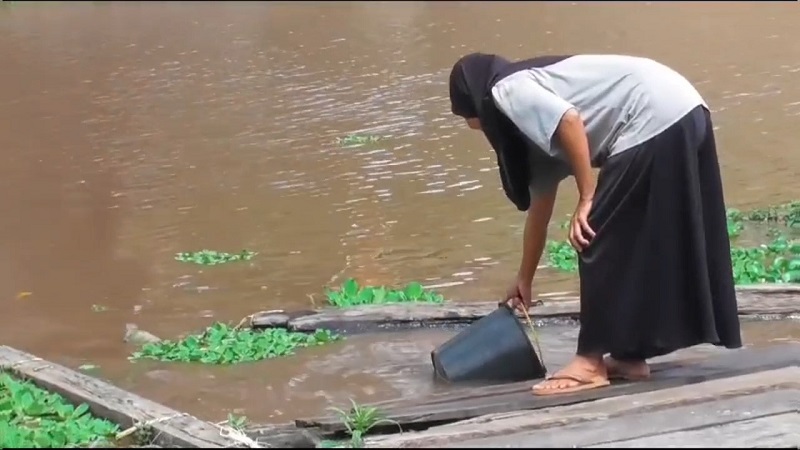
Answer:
(471, 82)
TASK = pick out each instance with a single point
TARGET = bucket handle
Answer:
(504, 304)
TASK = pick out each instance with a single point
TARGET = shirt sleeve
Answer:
(545, 176)
(532, 108)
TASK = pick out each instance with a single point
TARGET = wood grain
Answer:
(112, 403)
(590, 423)
(517, 396)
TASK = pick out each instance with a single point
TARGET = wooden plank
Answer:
(781, 431)
(633, 427)
(283, 436)
(756, 300)
(112, 403)
(479, 391)
(485, 428)
(518, 396)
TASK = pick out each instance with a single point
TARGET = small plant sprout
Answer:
(360, 420)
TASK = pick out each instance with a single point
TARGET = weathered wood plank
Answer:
(112, 403)
(780, 431)
(633, 426)
(518, 396)
(756, 300)
(283, 436)
(479, 391)
(491, 429)
(692, 366)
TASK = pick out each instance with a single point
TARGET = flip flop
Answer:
(594, 382)
(614, 374)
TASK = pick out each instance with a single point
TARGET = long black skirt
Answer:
(657, 276)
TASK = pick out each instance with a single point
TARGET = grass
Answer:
(352, 294)
(358, 422)
(223, 344)
(31, 417)
(777, 261)
(213, 258)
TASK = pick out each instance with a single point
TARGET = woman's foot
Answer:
(579, 375)
(627, 370)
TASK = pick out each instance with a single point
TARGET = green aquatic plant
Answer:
(31, 417)
(357, 139)
(562, 256)
(213, 258)
(351, 294)
(775, 262)
(358, 421)
(787, 214)
(221, 343)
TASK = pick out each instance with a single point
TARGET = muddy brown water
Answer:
(131, 131)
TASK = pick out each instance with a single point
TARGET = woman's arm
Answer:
(544, 118)
(535, 234)
(572, 137)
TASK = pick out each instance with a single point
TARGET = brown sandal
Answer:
(583, 384)
(614, 372)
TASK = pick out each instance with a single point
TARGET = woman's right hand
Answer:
(519, 295)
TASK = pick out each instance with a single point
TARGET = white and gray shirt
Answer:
(623, 101)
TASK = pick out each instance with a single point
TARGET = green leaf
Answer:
(350, 288)
(379, 295)
(366, 296)
(414, 291)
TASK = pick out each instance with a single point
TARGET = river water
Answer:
(130, 131)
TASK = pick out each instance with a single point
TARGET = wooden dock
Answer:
(719, 392)
(773, 300)
(755, 410)
(170, 428)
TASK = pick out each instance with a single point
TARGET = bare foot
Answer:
(627, 370)
(579, 375)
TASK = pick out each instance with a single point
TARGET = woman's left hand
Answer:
(580, 233)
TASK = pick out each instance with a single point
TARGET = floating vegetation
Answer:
(357, 139)
(777, 261)
(213, 258)
(31, 417)
(223, 344)
(351, 294)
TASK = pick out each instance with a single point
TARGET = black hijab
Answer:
(471, 82)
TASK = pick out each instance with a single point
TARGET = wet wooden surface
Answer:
(757, 300)
(480, 401)
(172, 428)
(725, 408)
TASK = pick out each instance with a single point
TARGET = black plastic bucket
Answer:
(495, 348)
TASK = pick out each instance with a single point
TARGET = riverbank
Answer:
(755, 301)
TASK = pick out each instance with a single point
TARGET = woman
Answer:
(651, 234)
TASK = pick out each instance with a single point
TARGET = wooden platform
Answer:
(469, 403)
(755, 410)
(756, 300)
(172, 428)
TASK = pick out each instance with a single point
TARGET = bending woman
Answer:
(651, 235)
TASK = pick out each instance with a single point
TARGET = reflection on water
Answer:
(130, 131)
